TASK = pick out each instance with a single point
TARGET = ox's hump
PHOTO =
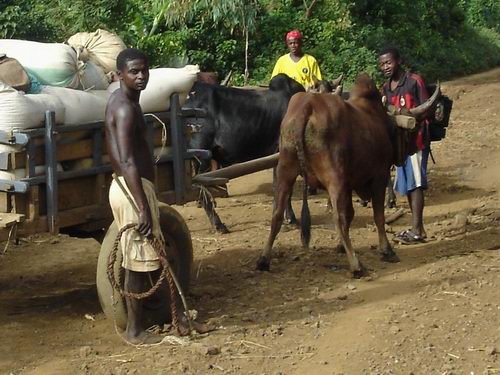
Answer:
(282, 83)
(365, 87)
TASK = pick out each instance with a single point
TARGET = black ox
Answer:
(240, 125)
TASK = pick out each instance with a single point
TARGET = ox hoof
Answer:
(292, 221)
(263, 264)
(312, 191)
(363, 203)
(222, 229)
(391, 204)
(358, 274)
(390, 257)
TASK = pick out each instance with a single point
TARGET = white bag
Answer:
(163, 82)
(81, 106)
(101, 47)
(92, 77)
(54, 64)
(24, 111)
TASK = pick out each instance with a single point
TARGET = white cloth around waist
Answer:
(138, 254)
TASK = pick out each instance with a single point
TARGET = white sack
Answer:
(101, 47)
(54, 64)
(92, 77)
(24, 111)
(163, 82)
(81, 106)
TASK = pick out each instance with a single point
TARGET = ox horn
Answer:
(338, 80)
(226, 80)
(423, 108)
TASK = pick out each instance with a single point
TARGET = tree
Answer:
(309, 8)
(236, 15)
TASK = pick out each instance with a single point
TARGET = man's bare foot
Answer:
(143, 338)
(183, 328)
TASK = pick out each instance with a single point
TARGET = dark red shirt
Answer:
(409, 93)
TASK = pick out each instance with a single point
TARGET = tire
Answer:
(179, 254)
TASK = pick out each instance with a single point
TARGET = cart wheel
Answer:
(179, 254)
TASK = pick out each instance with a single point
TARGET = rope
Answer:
(13, 228)
(159, 248)
(205, 196)
(160, 252)
(163, 136)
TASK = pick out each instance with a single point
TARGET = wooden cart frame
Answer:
(79, 198)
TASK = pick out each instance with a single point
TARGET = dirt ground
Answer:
(435, 312)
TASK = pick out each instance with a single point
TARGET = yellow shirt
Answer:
(301, 71)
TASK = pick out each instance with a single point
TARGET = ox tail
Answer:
(305, 217)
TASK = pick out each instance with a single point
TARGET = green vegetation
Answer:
(439, 39)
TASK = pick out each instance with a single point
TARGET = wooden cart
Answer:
(71, 192)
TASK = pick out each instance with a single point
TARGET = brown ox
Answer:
(340, 146)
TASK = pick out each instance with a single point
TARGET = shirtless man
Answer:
(132, 162)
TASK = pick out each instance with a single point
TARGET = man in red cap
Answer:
(297, 65)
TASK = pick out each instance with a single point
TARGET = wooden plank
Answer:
(5, 205)
(164, 177)
(19, 203)
(100, 186)
(73, 151)
(68, 218)
(33, 203)
(78, 192)
(80, 149)
(9, 219)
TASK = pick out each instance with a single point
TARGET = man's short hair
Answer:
(392, 50)
(129, 54)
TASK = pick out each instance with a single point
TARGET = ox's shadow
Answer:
(265, 188)
(229, 290)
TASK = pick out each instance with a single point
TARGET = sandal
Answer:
(407, 237)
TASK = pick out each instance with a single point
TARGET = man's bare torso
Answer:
(140, 148)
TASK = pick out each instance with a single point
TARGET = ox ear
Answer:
(315, 80)
(315, 85)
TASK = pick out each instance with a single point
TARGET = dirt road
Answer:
(436, 312)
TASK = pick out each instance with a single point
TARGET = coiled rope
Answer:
(160, 252)
(167, 272)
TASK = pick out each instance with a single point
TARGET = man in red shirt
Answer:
(407, 90)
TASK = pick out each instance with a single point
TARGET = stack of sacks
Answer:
(81, 64)
(55, 64)
(163, 82)
(59, 73)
